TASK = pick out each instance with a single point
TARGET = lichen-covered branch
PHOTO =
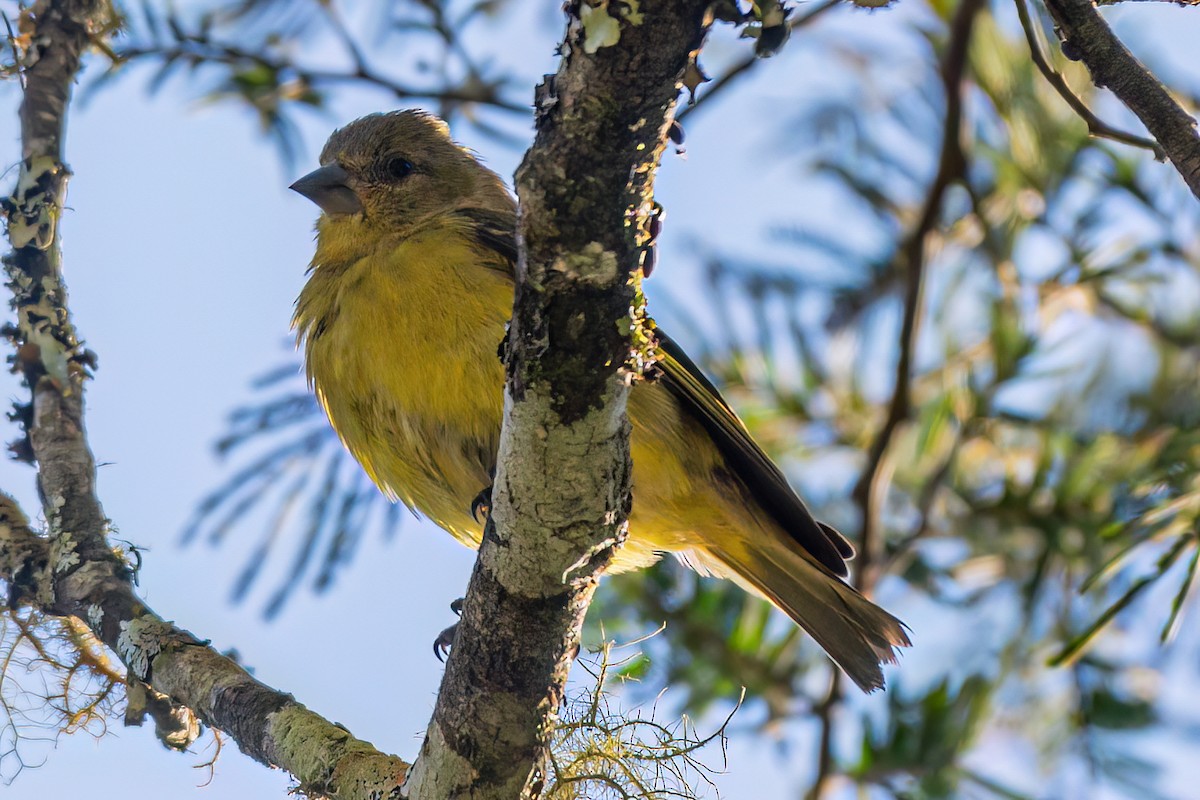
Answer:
(165, 661)
(75, 571)
(48, 353)
(1087, 36)
(561, 493)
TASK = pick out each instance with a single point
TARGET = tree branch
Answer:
(951, 167)
(872, 485)
(206, 51)
(268, 725)
(561, 494)
(1096, 126)
(75, 572)
(1086, 34)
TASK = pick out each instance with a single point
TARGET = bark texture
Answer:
(561, 494)
(268, 725)
(74, 572)
(1086, 33)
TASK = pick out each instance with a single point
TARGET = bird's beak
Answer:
(329, 188)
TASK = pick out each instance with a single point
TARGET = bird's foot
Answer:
(445, 639)
(481, 506)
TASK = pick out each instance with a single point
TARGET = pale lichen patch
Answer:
(600, 29)
(307, 743)
(55, 358)
(593, 265)
(643, 351)
(32, 213)
(601, 21)
(95, 616)
(62, 553)
(141, 640)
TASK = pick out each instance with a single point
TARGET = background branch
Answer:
(1096, 126)
(871, 489)
(1112, 66)
(180, 672)
(872, 485)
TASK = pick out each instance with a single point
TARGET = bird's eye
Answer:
(398, 168)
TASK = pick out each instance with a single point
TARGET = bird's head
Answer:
(397, 169)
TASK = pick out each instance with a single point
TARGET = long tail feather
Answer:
(857, 634)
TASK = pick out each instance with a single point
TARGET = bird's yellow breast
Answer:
(401, 345)
(401, 342)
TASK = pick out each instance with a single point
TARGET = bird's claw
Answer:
(481, 506)
(443, 642)
(445, 639)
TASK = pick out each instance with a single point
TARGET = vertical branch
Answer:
(561, 494)
(872, 486)
(48, 352)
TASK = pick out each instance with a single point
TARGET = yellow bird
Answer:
(407, 300)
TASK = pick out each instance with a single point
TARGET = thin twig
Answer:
(16, 51)
(749, 62)
(1096, 126)
(229, 54)
(824, 713)
(344, 36)
(1113, 66)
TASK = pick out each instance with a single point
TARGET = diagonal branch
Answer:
(185, 673)
(1096, 126)
(1086, 33)
(749, 62)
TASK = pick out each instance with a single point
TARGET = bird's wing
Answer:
(763, 479)
(495, 230)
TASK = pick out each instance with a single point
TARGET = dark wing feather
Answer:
(495, 230)
(764, 480)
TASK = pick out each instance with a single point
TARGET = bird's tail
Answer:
(857, 634)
